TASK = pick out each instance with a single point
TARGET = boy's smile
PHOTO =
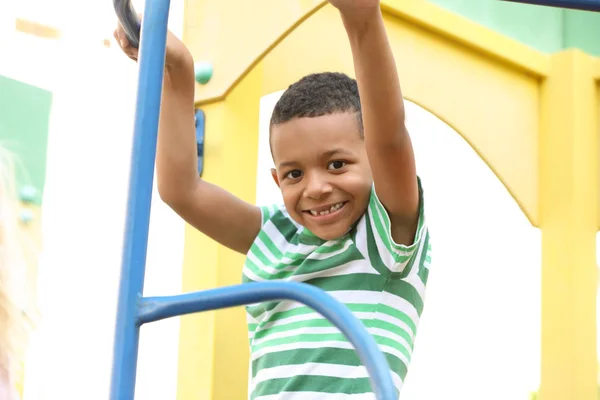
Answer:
(322, 171)
(328, 210)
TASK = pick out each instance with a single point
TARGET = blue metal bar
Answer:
(200, 133)
(129, 20)
(587, 5)
(157, 308)
(151, 66)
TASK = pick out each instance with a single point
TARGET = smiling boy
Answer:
(352, 222)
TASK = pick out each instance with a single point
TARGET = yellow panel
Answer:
(597, 69)
(225, 34)
(597, 76)
(197, 331)
(568, 219)
(459, 29)
(509, 102)
(233, 34)
(213, 356)
(493, 106)
(196, 334)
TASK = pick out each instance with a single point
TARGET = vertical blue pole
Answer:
(151, 67)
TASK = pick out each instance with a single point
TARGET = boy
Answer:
(353, 221)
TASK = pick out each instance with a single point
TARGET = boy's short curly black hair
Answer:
(319, 94)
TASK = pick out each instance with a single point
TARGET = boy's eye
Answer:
(295, 174)
(336, 165)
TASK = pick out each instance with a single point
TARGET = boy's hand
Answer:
(387, 142)
(355, 8)
(176, 52)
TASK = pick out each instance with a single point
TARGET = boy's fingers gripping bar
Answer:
(129, 20)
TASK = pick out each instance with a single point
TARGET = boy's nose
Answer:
(317, 187)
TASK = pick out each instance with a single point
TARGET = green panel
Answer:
(546, 29)
(582, 30)
(24, 120)
(535, 26)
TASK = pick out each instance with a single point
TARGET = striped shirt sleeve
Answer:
(396, 257)
(267, 213)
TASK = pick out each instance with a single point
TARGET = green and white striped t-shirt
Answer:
(296, 354)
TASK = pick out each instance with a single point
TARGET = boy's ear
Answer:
(274, 175)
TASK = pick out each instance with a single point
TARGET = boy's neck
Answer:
(309, 238)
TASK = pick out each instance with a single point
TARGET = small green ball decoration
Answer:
(28, 194)
(203, 71)
(26, 216)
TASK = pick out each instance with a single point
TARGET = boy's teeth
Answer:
(336, 207)
(333, 208)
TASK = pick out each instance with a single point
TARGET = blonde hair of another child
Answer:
(13, 321)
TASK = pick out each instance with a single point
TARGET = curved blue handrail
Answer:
(129, 20)
(134, 310)
(157, 308)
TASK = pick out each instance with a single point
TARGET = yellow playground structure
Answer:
(532, 117)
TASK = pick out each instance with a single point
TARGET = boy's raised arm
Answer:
(210, 209)
(387, 142)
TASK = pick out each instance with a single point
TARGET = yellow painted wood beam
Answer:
(213, 346)
(568, 221)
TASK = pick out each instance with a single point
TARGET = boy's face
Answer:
(322, 169)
